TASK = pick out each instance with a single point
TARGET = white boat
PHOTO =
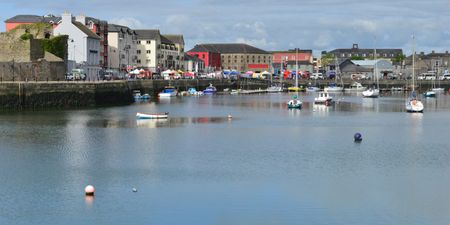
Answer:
(333, 87)
(323, 98)
(312, 89)
(413, 105)
(168, 91)
(273, 89)
(355, 87)
(429, 94)
(371, 93)
(152, 116)
(294, 103)
(374, 91)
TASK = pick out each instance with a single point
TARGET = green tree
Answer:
(327, 59)
(398, 58)
(357, 57)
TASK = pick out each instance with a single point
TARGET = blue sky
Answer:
(270, 24)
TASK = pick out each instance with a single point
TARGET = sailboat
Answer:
(414, 105)
(373, 92)
(333, 87)
(435, 89)
(296, 88)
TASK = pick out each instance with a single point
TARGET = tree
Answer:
(357, 57)
(327, 59)
(398, 58)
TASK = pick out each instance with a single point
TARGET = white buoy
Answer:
(134, 190)
(230, 116)
(89, 190)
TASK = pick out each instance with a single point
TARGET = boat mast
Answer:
(375, 59)
(414, 52)
(296, 67)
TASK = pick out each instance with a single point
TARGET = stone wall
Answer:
(30, 71)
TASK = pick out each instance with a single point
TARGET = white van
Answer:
(446, 76)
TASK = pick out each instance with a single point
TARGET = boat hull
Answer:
(151, 116)
(372, 93)
(294, 104)
(414, 106)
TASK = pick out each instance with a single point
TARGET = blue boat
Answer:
(210, 90)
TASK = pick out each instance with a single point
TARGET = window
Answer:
(149, 51)
(138, 42)
(138, 61)
(138, 51)
(149, 42)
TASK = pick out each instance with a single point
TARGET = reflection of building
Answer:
(122, 47)
(347, 53)
(83, 45)
(291, 58)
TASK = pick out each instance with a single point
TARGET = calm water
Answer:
(268, 165)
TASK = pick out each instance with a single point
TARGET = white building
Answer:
(157, 53)
(83, 46)
(122, 49)
(193, 64)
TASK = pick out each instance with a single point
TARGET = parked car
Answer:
(317, 76)
(446, 76)
(358, 76)
(78, 74)
(430, 75)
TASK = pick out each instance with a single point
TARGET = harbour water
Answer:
(266, 165)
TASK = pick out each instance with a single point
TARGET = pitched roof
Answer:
(119, 28)
(85, 30)
(293, 51)
(33, 19)
(165, 40)
(191, 57)
(175, 38)
(147, 34)
(228, 48)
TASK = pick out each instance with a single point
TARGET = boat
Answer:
(192, 91)
(355, 87)
(414, 105)
(139, 97)
(152, 116)
(168, 91)
(429, 94)
(312, 89)
(333, 87)
(296, 89)
(396, 89)
(273, 89)
(210, 89)
(294, 103)
(374, 91)
(323, 98)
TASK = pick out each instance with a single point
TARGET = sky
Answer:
(320, 25)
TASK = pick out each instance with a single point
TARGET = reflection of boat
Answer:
(323, 98)
(355, 87)
(294, 103)
(152, 116)
(296, 89)
(168, 91)
(210, 90)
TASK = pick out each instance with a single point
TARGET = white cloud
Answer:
(127, 21)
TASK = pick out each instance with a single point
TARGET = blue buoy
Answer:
(357, 137)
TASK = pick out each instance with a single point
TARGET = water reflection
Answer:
(156, 123)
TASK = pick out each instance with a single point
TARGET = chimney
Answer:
(355, 46)
(66, 18)
(81, 18)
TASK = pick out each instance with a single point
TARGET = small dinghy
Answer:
(152, 116)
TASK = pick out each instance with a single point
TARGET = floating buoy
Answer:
(134, 190)
(357, 137)
(230, 116)
(89, 190)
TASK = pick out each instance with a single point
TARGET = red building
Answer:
(15, 21)
(291, 55)
(210, 56)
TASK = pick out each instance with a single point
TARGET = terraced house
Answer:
(156, 52)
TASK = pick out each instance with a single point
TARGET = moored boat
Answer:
(294, 103)
(152, 116)
(355, 87)
(323, 98)
(210, 89)
(168, 91)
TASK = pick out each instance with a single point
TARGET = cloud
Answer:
(127, 21)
